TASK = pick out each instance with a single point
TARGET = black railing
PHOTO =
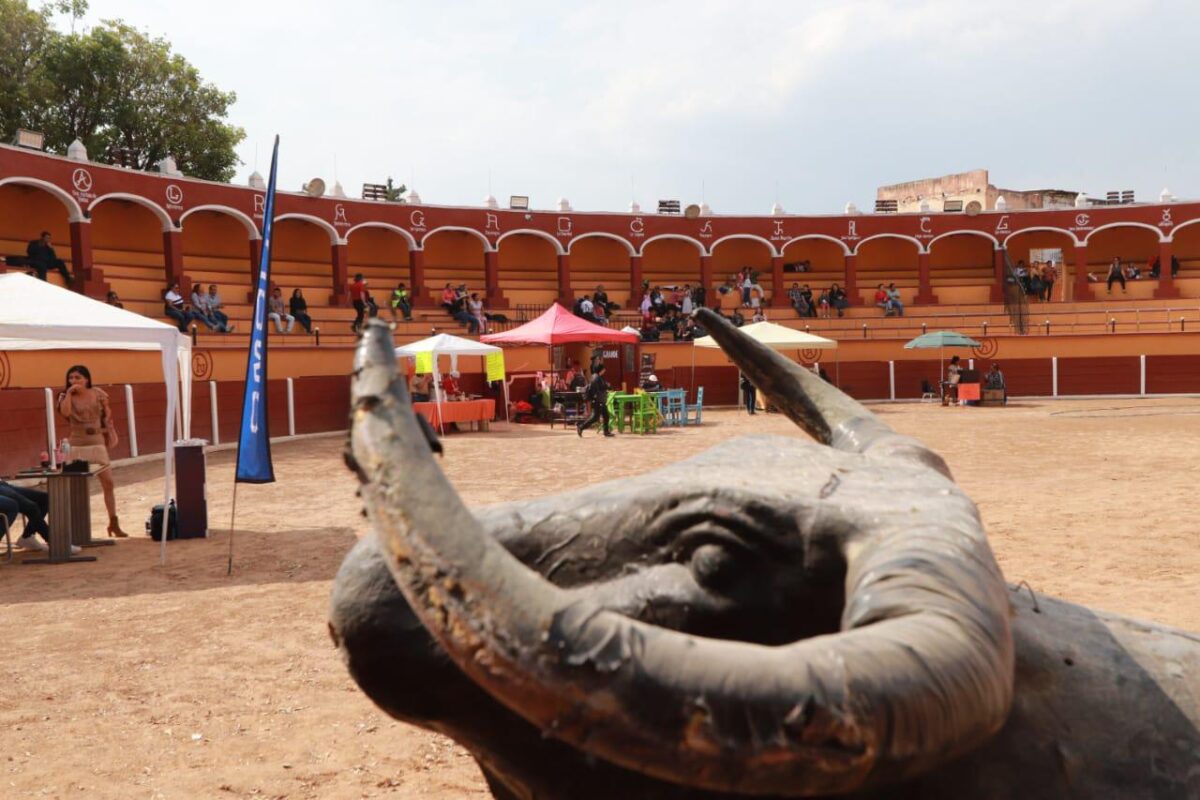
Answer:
(1016, 304)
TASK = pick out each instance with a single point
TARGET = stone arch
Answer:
(74, 212)
(240, 216)
(167, 223)
(320, 223)
(408, 237)
(629, 248)
(558, 248)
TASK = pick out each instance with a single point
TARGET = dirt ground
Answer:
(123, 678)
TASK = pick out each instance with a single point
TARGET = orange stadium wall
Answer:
(670, 261)
(124, 226)
(24, 213)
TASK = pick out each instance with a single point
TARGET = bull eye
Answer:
(714, 566)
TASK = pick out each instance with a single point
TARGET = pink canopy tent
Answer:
(559, 326)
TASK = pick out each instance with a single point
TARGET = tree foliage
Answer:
(111, 87)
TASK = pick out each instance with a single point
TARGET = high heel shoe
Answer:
(114, 529)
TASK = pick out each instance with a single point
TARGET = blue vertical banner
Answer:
(254, 440)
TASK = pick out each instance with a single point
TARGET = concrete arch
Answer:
(845, 247)
(1145, 225)
(240, 216)
(558, 248)
(1063, 231)
(167, 223)
(320, 223)
(601, 235)
(995, 242)
(915, 241)
(1174, 230)
(770, 246)
(487, 246)
(408, 237)
(699, 247)
(74, 212)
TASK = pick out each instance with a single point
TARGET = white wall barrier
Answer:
(131, 421)
(1142, 383)
(1054, 376)
(291, 398)
(891, 380)
(212, 407)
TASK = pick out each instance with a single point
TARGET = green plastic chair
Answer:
(646, 417)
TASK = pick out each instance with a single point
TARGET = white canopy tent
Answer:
(443, 344)
(36, 315)
(777, 337)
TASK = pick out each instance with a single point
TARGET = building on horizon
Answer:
(966, 191)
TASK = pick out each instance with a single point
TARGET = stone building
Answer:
(965, 191)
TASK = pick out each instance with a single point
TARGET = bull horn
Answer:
(827, 414)
(925, 676)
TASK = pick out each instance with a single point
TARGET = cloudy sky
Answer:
(735, 103)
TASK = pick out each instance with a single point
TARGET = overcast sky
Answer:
(736, 103)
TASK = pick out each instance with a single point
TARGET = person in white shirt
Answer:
(277, 312)
(586, 309)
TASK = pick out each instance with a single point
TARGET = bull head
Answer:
(774, 616)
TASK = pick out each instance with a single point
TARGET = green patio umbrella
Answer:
(940, 340)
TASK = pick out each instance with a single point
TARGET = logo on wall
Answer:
(174, 197)
(202, 365)
(1083, 222)
(988, 348)
(81, 182)
(810, 354)
(492, 227)
(925, 232)
(1166, 221)
(339, 216)
(1002, 225)
(417, 220)
(706, 231)
(637, 228)
(778, 235)
(564, 226)
(260, 202)
(851, 234)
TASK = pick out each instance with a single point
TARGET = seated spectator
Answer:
(212, 302)
(838, 300)
(1155, 267)
(587, 309)
(41, 256)
(737, 319)
(652, 383)
(686, 330)
(1133, 272)
(113, 300)
(450, 388)
(599, 315)
(995, 380)
(448, 298)
(35, 505)
(823, 303)
(277, 313)
(807, 294)
(401, 301)
(881, 300)
(600, 300)
(201, 312)
(893, 296)
(1174, 266)
(475, 308)
(174, 307)
(418, 387)
(298, 307)
(657, 303)
(649, 331)
(459, 311)
(760, 315)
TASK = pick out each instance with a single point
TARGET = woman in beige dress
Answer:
(92, 433)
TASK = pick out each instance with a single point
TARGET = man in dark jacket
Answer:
(597, 393)
(41, 257)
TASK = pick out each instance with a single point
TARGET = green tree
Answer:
(111, 87)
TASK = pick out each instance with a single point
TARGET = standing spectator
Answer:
(113, 300)
(298, 307)
(358, 299)
(93, 433)
(746, 283)
(749, 395)
(1049, 276)
(893, 295)
(400, 300)
(1022, 275)
(174, 307)
(41, 256)
(277, 313)
(1115, 274)
(645, 304)
(700, 296)
(686, 303)
(212, 301)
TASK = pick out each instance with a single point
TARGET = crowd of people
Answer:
(1038, 280)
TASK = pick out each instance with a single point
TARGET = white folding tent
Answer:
(777, 337)
(36, 315)
(443, 344)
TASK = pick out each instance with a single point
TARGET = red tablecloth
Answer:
(458, 411)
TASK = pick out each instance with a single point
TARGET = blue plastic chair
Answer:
(697, 409)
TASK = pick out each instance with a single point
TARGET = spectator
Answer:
(113, 300)
(174, 307)
(1022, 275)
(1049, 276)
(212, 301)
(600, 300)
(400, 301)
(749, 394)
(737, 319)
(995, 380)
(649, 331)
(298, 307)
(450, 387)
(823, 303)
(586, 308)
(651, 383)
(893, 295)
(756, 298)
(1115, 274)
(201, 312)
(1174, 266)
(807, 294)
(746, 283)
(645, 304)
(1036, 286)
(35, 505)
(419, 386)
(798, 301)
(277, 312)
(700, 296)
(837, 299)
(1132, 272)
(881, 300)
(687, 302)
(462, 315)
(475, 307)
(1155, 267)
(358, 298)
(448, 298)
(759, 315)
(41, 256)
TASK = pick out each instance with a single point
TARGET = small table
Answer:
(70, 515)
(475, 412)
(621, 407)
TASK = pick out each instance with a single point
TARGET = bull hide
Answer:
(772, 618)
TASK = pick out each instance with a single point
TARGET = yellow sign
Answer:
(495, 367)
(424, 363)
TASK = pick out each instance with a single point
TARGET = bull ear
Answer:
(827, 414)
(924, 674)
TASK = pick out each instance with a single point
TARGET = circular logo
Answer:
(202, 365)
(5, 370)
(1082, 220)
(810, 354)
(81, 179)
(988, 348)
(174, 194)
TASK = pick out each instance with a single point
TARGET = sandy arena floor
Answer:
(124, 679)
